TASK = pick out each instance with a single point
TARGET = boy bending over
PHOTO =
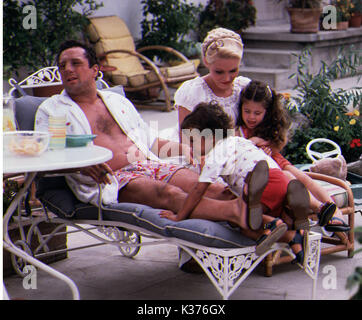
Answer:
(250, 173)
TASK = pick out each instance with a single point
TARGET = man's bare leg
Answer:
(186, 179)
(161, 195)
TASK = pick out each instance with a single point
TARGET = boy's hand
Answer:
(168, 215)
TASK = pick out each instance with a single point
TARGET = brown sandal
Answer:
(265, 241)
(256, 181)
(298, 202)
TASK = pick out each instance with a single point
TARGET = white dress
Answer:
(196, 90)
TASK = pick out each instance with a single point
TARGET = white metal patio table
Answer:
(67, 158)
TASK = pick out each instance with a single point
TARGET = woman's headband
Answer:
(230, 44)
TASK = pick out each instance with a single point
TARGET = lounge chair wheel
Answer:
(131, 238)
(17, 262)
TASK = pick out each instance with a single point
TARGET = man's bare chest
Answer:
(101, 121)
(104, 124)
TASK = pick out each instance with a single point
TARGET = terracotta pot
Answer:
(343, 25)
(356, 20)
(304, 20)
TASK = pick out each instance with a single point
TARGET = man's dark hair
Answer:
(208, 116)
(89, 52)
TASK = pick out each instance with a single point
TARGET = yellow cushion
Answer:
(105, 45)
(173, 72)
(111, 27)
(111, 33)
(126, 65)
(179, 70)
(133, 79)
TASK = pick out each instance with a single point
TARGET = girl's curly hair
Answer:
(276, 121)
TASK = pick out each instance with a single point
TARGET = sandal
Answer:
(256, 181)
(267, 240)
(332, 227)
(302, 240)
(298, 203)
(326, 213)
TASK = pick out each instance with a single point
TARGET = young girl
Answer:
(264, 120)
(241, 164)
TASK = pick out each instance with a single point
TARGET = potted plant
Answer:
(324, 109)
(236, 15)
(304, 15)
(343, 13)
(35, 46)
(356, 14)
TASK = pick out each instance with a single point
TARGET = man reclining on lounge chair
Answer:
(135, 173)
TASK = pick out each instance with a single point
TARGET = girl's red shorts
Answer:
(275, 192)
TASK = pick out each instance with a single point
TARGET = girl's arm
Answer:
(192, 200)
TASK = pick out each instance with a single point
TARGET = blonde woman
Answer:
(222, 51)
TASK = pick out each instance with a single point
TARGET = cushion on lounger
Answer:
(54, 193)
(337, 193)
(25, 109)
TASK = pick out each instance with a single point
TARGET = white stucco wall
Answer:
(128, 10)
(270, 11)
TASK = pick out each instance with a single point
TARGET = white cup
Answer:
(57, 129)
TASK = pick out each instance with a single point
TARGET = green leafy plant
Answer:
(303, 4)
(168, 23)
(36, 47)
(343, 9)
(356, 6)
(236, 15)
(324, 108)
(355, 279)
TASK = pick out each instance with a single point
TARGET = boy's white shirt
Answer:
(127, 117)
(231, 159)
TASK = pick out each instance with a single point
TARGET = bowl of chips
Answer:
(26, 143)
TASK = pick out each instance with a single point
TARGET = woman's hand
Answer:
(98, 172)
(259, 142)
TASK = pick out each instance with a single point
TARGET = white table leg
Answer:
(8, 245)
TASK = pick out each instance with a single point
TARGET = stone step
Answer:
(277, 78)
(270, 58)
